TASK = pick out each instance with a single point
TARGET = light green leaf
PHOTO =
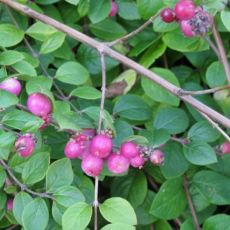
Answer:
(118, 226)
(225, 17)
(7, 99)
(86, 92)
(10, 57)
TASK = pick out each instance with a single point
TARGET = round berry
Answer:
(73, 149)
(10, 204)
(118, 164)
(225, 147)
(25, 145)
(186, 28)
(137, 161)
(39, 104)
(92, 165)
(11, 85)
(129, 149)
(101, 146)
(114, 9)
(185, 9)
(157, 157)
(168, 15)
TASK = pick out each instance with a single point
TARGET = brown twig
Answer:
(133, 33)
(123, 59)
(191, 207)
(222, 53)
(23, 186)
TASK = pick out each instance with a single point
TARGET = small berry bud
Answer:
(129, 149)
(168, 15)
(118, 164)
(9, 204)
(114, 9)
(92, 165)
(185, 9)
(186, 28)
(25, 145)
(11, 85)
(157, 157)
(101, 146)
(225, 147)
(39, 104)
(137, 161)
(73, 149)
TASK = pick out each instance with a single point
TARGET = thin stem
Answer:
(37, 55)
(23, 186)
(222, 53)
(12, 227)
(122, 59)
(212, 45)
(216, 126)
(133, 33)
(191, 207)
(206, 91)
(182, 141)
(152, 183)
(96, 203)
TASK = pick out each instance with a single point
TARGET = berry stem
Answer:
(213, 46)
(133, 33)
(96, 203)
(23, 186)
(222, 53)
(191, 207)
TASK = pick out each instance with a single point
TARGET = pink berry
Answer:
(39, 104)
(73, 149)
(101, 146)
(137, 161)
(186, 29)
(11, 85)
(92, 165)
(129, 149)
(225, 147)
(114, 9)
(157, 157)
(118, 164)
(25, 145)
(185, 9)
(168, 15)
(9, 204)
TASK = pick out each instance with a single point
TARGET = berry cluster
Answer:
(192, 20)
(94, 150)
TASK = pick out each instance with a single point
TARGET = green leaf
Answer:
(127, 9)
(22, 120)
(39, 84)
(203, 131)
(68, 195)
(156, 92)
(77, 216)
(118, 226)
(7, 140)
(118, 210)
(35, 168)
(213, 186)
(162, 225)
(225, 17)
(73, 2)
(86, 92)
(53, 43)
(35, 215)
(10, 57)
(103, 30)
(170, 201)
(21, 200)
(173, 120)
(7, 99)
(215, 75)
(217, 222)
(148, 8)
(132, 187)
(199, 153)
(41, 31)
(174, 156)
(99, 10)
(72, 73)
(10, 35)
(2, 176)
(59, 174)
(132, 107)
(25, 68)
